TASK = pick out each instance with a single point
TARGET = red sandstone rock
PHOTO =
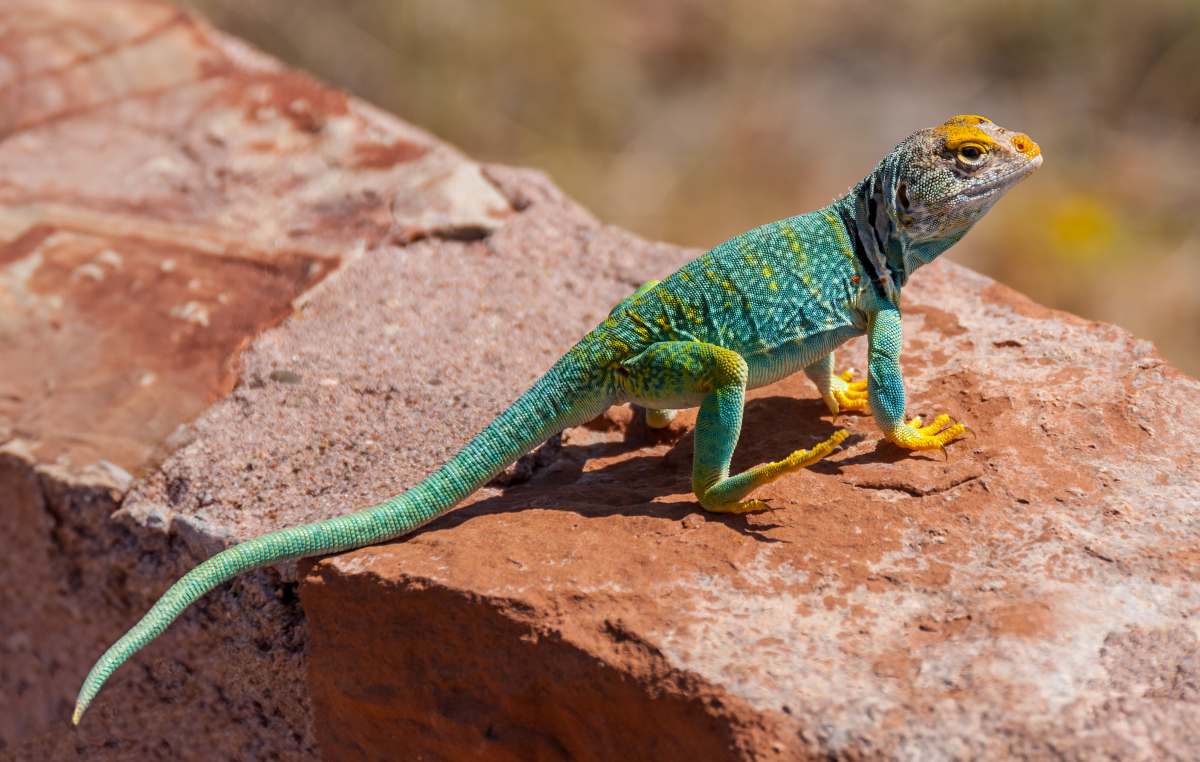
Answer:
(893, 606)
(1033, 596)
(167, 194)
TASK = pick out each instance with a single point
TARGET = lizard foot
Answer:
(804, 458)
(659, 419)
(845, 394)
(748, 506)
(769, 472)
(914, 436)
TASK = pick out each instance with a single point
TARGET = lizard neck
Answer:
(879, 251)
(888, 252)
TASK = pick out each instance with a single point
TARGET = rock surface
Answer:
(167, 194)
(1034, 596)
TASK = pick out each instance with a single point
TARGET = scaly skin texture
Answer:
(757, 308)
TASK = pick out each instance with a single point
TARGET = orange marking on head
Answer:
(1025, 146)
(962, 129)
(970, 119)
(959, 135)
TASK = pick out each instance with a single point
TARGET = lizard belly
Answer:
(672, 402)
(768, 366)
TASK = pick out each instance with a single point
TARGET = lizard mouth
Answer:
(1006, 180)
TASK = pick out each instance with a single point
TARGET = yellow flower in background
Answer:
(1082, 228)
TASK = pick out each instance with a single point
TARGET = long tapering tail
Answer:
(560, 399)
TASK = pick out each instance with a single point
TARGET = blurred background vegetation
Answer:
(693, 120)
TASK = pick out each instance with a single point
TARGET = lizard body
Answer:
(759, 307)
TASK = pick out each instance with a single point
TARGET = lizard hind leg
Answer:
(724, 496)
(673, 370)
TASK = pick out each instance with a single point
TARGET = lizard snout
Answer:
(1023, 145)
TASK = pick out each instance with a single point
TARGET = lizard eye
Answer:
(971, 155)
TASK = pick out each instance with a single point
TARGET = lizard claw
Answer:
(915, 436)
(964, 426)
(748, 506)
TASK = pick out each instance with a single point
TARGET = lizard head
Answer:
(941, 181)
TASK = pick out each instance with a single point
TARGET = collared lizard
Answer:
(759, 307)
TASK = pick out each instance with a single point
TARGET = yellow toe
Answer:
(913, 436)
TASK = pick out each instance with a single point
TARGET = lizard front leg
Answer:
(839, 392)
(680, 369)
(885, 390)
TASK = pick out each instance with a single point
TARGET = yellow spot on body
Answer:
(773, 288)
(839, 237)
(796, 247)
(683, 275)
(711, 275)
(728, 286)
(642, 329)
(767, 272)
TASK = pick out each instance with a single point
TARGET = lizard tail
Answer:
(555, 402)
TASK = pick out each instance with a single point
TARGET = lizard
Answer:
(755, 309)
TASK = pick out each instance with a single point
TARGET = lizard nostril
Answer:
(1025, 146)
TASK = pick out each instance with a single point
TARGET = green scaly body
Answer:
(754, 310)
